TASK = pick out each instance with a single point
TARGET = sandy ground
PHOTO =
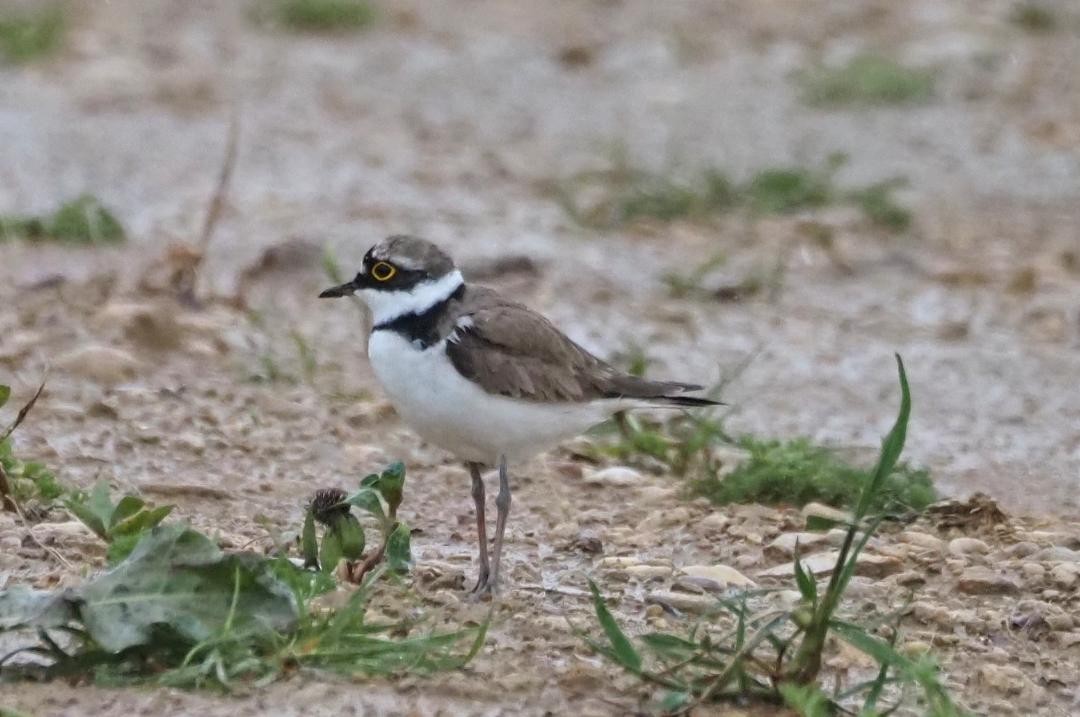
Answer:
(450, 120)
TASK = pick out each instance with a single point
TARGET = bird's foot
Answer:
(486, 587)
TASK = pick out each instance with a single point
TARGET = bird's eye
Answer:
(382, 271)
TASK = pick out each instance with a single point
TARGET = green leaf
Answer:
(21, 606)
(308, 542)
(891, 447)
(178, 585)
(305, 584)
(398, 549)
(330, 554)
(141, 521)
(128, 506)
(674, 702)
(391, 485)
(5, 394)
(669, 645)
(121, 546)
(622, 649)
(806, 700)
(81, 510)
(350, 535)
(368, 499)
(807, 584)
(99, 503)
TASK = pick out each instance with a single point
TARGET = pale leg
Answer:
(481, 525)
(502, 503)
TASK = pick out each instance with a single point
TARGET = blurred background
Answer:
(772, 195)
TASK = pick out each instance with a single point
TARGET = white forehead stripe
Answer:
(388, 305)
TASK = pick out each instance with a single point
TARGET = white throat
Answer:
(388, 305)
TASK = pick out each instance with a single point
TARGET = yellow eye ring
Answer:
(383, 271)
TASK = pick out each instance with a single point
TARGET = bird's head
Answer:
(401, 275)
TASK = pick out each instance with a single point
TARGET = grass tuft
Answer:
(798, 472)
(782, 191)
(624, 195)
(29, 35)
(877, 205)
(1034, 17)
(867, 80)
(81, 221)
(323, 16)
(775, 656)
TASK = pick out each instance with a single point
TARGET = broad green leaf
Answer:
(622, 649)
(99, 503)
(350, 535)
(305, 584)
(330, 553)
(5, 394)
(121, 546)
(391, 485)
(128, 506)
(398, 549)
(21, 606)
(308, 542)
(178, 581)
(368, 499)
(141, 521)
(79, 508)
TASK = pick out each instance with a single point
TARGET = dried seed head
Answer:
(326, 504)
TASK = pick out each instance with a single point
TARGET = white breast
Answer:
(456, 414)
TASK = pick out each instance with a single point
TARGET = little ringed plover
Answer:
(481, 375)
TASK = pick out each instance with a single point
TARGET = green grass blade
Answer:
(807, 584)
(622, 649)
(891, 448)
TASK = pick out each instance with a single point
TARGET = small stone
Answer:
(713, 522)
(685, 602)
(826, 512)
(1065, 575)
(1034, 573)
(915, 648)
(984, 581)
(648, 572)
(1021, 550)
(101, 364)
(867, 564)
(190, 442)
(722, 575)
(1057, 553)
(150, 326)
(588, 541)
(653, 611)
(1004, 679)
(614, 476)
(784, 545)
(963, 547)
(922, 540)
(1060, 622)
(909, 578)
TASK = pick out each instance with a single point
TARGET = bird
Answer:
(483, 376)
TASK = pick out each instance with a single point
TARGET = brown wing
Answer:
(511, 351)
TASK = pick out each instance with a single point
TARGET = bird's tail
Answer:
(672, 393)
(687, 401)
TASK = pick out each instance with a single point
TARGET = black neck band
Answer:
(421, 328)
